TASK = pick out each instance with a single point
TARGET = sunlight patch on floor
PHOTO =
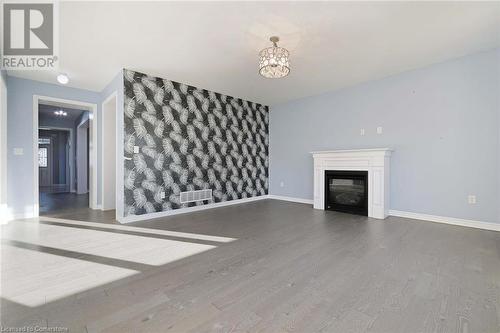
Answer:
(41, 263)
(34, 278)
(132, 248)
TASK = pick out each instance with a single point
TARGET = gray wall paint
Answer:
(3, 146)
(442, 122)
(20, 135)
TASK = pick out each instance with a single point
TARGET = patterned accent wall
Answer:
(190, 139)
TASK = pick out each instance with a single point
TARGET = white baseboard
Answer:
(291, 199)
(4, 214)
(447, 220)
(135, 218)
(18, 216)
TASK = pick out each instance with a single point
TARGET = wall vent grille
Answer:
(193, 196)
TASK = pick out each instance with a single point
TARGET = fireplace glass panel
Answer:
(347, 191)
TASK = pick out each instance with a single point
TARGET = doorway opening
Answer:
(65, 156)
(63, 165)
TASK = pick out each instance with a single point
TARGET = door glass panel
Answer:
(42, 157)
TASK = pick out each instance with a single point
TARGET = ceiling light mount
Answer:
(274, 61)
(60, 113)
(63, 78)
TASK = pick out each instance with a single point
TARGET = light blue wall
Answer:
(20, 135)
(3, 146)
(442, 122)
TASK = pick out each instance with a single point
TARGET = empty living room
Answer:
(234, 166)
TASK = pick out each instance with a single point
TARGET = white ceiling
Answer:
(214, 45)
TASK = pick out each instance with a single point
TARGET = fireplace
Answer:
(347, 191)
(374, 162)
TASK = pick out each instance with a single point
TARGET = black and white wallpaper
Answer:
(190, 139)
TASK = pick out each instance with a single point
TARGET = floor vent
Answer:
(193, 196)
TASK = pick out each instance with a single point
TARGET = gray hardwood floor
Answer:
(72, 206)
(266, 266)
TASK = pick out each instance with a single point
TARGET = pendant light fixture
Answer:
(274, 61)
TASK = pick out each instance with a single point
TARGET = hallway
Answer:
(72, 206)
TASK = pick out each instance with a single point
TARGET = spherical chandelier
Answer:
(274, 61)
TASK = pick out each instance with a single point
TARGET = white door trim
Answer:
(77, 151)
(92, 108)
(114, 95)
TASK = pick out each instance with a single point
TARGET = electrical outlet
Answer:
(18, 151)
(136, 149)
(471, 199)
(282, 184)
(362, 131)
(379, 130)
(162, 194)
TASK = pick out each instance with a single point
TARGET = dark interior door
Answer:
(45, 165)
(53, 164)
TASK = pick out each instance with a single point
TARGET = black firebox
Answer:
(347, 191)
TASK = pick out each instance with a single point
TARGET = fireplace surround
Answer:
(374, 162)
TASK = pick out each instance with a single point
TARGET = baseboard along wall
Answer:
(416, 216)
(397, 213)
(135, 218)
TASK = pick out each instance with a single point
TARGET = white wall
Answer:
(116, 86)
(109, 153)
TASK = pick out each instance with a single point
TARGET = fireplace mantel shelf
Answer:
(347, 151)
(374, 160)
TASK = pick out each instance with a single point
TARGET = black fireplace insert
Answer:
(347, 191)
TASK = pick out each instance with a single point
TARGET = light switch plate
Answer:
(362, 131)
(136, 149)
(18, 151)
(379, 130)
(471, 199)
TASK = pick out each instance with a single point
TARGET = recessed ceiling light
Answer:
(60, 113)
(62, 78)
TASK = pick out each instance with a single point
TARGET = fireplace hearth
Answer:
(347, 191)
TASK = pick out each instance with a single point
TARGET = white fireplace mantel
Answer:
(375, 161)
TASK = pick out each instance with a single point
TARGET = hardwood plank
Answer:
(266, 266)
